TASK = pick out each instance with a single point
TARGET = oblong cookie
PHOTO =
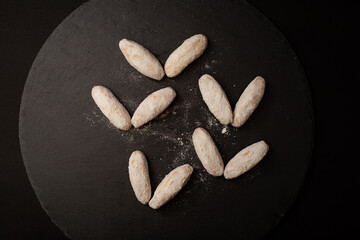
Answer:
(111, 107)
(245, 159)
(141, 59)
(216, 99)
(171, 185)
(248, 101)
(185, 54)
(207, 152)
(152, 106)
(139, 176)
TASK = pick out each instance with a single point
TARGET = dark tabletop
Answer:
(320, 34)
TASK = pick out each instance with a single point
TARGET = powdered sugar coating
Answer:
(141, 59)
(139, 176)
(216, 99)
(111, 107)
(171, 185)
(187, 52)
(207, 152)
(248, 101)
(246, 159)
(152, 106)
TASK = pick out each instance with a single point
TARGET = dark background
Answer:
(322, 33)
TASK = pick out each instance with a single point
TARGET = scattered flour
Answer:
(135, 76)
(180, 140)
(180, 149)
(92, 122)
(97, 118)
(226, 131)
(209, 65)
(129, 103)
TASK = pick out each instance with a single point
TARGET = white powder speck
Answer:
(202, 179)
(225, 130)
(180, 141)
(131, 138)
(92, 122)
(212, 121)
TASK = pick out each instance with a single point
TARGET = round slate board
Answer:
(77, 161)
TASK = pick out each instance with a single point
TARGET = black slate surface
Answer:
(77, 162)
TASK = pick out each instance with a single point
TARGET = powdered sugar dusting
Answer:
(173, 130)
(97, 118)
